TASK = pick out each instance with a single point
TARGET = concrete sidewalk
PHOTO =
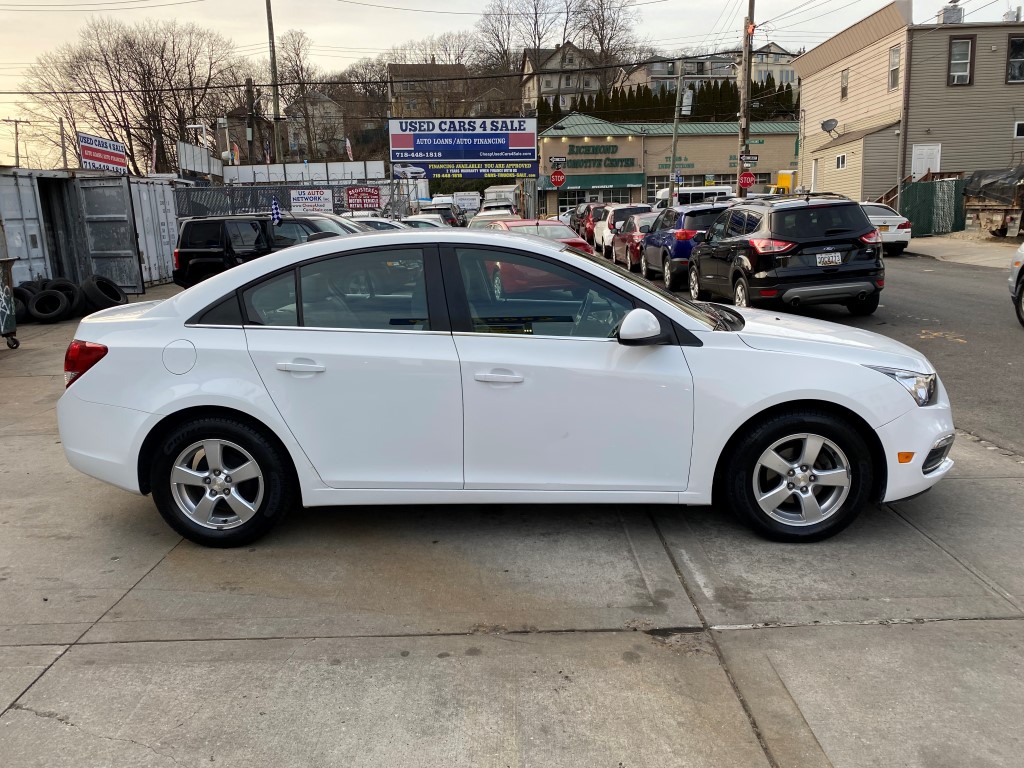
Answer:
(990, 252)
(500, 636)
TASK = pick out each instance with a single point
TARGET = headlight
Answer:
(923, 387)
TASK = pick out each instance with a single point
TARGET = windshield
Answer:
(819, 221)
(337, 225)
(547, 231)
(706, 317)
(700, 219)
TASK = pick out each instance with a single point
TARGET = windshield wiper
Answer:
(720, 322)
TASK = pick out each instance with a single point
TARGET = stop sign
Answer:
(747, 180)
(557, 178)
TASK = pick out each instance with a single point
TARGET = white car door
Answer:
(552, 401)
(364, 378)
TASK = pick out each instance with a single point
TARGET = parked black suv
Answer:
(208, 245)
(793, 250)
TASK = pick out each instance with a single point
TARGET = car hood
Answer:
(781, 332)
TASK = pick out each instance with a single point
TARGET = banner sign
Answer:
(475, 140)
(102, 154)
(361, 198)
(466, 171)
(312, 201)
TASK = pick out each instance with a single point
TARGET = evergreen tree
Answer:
(543, 113)
(630, 109)
(574, 105)
(600, 105)
(556, 110)
(646, 105)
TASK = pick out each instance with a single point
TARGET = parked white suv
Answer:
(612, 220)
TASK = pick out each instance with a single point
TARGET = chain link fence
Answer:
(934, 207)
(224, 201)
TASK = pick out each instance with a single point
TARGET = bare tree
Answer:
(298, 75)
(496, 38)
(609, 33)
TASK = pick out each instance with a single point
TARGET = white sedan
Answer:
(380, 368)
(893, 227)
(406, 171)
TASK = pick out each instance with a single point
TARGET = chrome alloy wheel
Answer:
(694, 285)
(217, 484)
(802, 479)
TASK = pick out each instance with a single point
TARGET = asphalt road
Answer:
(960, 317)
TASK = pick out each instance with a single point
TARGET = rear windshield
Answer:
(700, 219)
(201, 234)
(819, 221)
(879, 210)
(621, 214)
(597, 213)
(547, 231)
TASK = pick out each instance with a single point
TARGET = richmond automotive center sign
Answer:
(481, 140)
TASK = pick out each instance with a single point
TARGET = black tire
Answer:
(741, 293)
(29, 286)
(76, 297)
(102, 293)
(645, 268)
(896, 250)
(743, 461)
(279, 489)
(20, 310)
(697, 293)
(672, 282)
(866, 307)
(1018, 304)
(48, 306)
(24, 295)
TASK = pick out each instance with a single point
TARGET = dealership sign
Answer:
(102, 154)
(361, 198)
(476, 140)
(465, 171)
(312, 201)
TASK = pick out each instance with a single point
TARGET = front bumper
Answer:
(919, 431)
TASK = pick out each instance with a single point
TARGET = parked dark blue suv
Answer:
(667, 246)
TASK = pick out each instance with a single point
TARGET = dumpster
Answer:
(8, 321)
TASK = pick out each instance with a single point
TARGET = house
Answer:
(428, 90)
(887, 100)
(315, 127)
(659, 73)
(775, 61)
(235, 132)
(558, 74)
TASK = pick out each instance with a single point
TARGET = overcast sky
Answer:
(344, 31)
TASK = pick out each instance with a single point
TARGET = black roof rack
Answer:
(806, 196)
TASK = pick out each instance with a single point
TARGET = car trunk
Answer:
(826, 239)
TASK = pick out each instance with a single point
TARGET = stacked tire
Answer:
(50, 301)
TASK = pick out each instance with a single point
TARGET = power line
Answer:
(479, 13)
(98, 10)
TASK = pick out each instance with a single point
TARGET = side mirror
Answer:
(640, 328)
(698, 238)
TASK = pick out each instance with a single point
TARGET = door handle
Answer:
(499, 378)
(302, 367)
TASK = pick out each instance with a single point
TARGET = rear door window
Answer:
(819, 221)
(753, 223)
(621, 214)
(202, 234)
(288, 233)
(737, 224)
(245, 235)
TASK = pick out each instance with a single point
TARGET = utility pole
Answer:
(278, 155)
(250, 108)
(63, 144)
(17, 143)
(671, 202)
(748, 37)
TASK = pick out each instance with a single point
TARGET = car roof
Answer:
(544, 222)
(807, 200)
(710, 205)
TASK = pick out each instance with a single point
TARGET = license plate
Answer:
(830, 259)
(884, 228)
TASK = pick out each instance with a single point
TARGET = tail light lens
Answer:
(871, 238)
(769, 245)
(177, 264)
(685, 234)
(80, 357)
(904, 225)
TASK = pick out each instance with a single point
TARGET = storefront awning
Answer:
(574, 181)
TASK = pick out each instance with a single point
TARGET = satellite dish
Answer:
(829, 125)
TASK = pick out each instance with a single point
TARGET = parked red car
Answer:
(594, 215)
(629, 239)
(508, 278)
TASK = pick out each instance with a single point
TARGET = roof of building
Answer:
(577, 124)
(542, 55)
(846, 138)
(855, 38)
(427, 69)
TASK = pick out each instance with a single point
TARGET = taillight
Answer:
(685, 234)
(770, 245)
(80, 357)
(871, 238)
(904, 225)
(177, 265)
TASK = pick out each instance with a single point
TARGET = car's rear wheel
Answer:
(645, 268)
(863, 307)
(1018, 304)
(741, 293)
(799, 476)
(221, 483)
(671, 280)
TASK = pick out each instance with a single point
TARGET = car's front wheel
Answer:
(1018, 304)
(220, 482)
(741, 293)
(696, 292)
(799, 476)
